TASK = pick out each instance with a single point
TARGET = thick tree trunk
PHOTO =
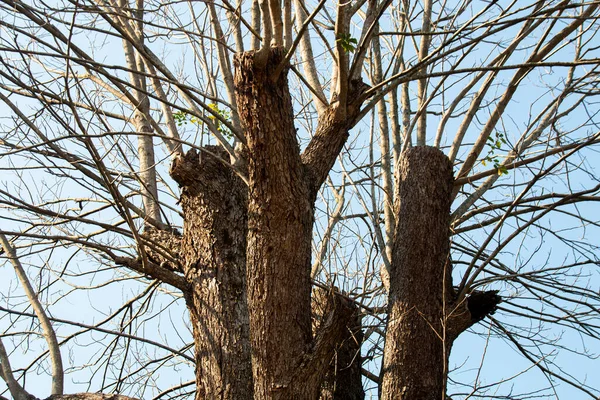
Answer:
(424, 314)
(280, 219)
(213, 250)
(415, 359)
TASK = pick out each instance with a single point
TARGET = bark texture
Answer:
(332, 329)
(163, 247)
(279, 227)
(213, 252)
(424, 315)
(330, 136)
(343, 379)
(288, 362)
(414, 355)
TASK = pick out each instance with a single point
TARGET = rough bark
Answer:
(163, 247)
(326, 144)
(213, 251)
(332, 329)
(280, 221)
(343, 379)
(414, 354)
(330, 136)
(424, 316)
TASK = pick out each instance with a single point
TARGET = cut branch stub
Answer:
(474, 308)
(482, 304)
(163, 247)
(213, 251)
(414, 357)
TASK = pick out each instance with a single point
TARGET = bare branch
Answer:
(48, 331)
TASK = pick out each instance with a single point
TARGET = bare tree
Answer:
(296, 200)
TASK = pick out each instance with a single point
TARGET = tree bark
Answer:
(343, 379)
(424, 314)
(330, 136)
(414, 355)
(213, 251)
(280, 219)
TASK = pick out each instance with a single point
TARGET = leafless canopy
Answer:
(101, 99)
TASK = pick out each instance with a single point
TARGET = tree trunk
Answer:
(246, 251)
(415, 357)
(213, 250)
(280, 219)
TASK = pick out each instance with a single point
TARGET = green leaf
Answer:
(347, 42)
(180, 118)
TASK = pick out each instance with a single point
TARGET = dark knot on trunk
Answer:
(481, 304)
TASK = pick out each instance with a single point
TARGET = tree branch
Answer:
(154, 270)
(337, 312)
(330, 136)
(91, 396)
(49, 334)
(16, 390)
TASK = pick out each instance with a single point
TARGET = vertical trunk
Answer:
(280, 218)
(213, 249)
(147, 174)
(149, 187)
(415, 355)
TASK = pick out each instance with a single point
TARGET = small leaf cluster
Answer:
(347, 42)
(224, 114)
(495, 144)
(182, 118)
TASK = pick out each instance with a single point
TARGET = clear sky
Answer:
(80, 286)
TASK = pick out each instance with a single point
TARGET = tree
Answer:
(188, 153)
